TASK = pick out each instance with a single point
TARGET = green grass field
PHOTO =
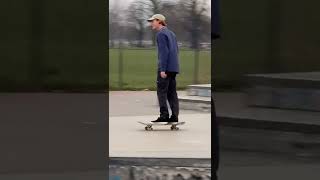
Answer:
(139, 68)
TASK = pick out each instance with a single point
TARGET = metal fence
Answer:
(135, 64)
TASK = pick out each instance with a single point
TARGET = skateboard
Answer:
(172, 124)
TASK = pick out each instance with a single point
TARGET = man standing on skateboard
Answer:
(168, 68)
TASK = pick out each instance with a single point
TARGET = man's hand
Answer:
(163, 74)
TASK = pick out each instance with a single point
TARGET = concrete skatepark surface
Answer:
(49, 136)
(157, 149)
(241, 163)
(127, 138)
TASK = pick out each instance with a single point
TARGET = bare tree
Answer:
(169, 10)
(156, 6)
(187, 18)
(115, 27)
(137, 11)
(153, 7)
(166, 7)
(193, 15)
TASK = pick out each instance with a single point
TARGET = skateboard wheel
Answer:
(174, 128)
(148, 128)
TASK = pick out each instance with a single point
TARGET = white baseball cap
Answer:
(157, 16)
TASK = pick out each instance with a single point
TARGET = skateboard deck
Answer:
(150, 124)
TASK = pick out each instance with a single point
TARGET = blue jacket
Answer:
(168, 52)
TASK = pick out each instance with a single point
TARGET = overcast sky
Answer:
(125, 3)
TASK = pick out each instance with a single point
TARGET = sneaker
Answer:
(173, 119)
(162, 119)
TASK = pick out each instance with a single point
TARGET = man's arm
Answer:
(163, 52)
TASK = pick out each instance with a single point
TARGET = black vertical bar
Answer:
(215, 34)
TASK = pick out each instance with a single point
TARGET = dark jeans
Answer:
(166, 90)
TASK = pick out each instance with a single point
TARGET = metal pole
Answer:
(120, 65)
(196, 65)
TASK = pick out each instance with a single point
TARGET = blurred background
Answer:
(266, 76)
(266, 37)
(45, 46)
(49, 52)
(132, 47)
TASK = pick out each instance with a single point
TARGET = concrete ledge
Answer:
(232, 111)
(195, 103)
(195, 99)
(203, 90)
(289, 144)
(200, 86)
(268, 125)
(289, 80)
(285, 90)
(284, 98)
